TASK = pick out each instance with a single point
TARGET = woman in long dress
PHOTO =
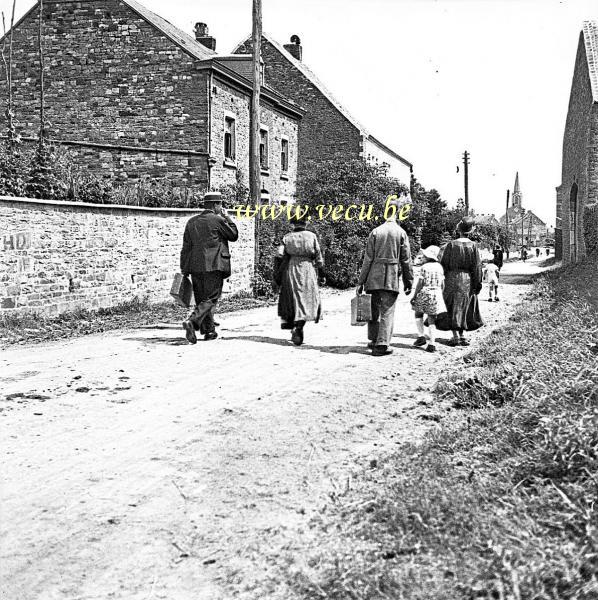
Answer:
(301, 300)
(463, 279)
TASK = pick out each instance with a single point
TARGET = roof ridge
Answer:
(180, 37)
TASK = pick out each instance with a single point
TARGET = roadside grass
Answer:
(136, 313)
(499, 502)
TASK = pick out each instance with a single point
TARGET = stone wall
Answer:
(57, 256)
(576, 141)
(324, 132)
(227, 101)
(112, 79)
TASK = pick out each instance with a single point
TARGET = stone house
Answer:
(134, 97)
(327, 129)
(576, 230)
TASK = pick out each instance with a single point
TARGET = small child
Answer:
(427, 297)
(491, 274)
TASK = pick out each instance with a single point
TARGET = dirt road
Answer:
(138, 467)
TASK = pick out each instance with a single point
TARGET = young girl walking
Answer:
(427, 297)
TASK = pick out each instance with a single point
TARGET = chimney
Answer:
(203, 36)
(294, 48)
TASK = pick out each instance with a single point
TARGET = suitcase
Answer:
(181, 290)
(361, 309)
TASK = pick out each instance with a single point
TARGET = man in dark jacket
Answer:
(206, 257)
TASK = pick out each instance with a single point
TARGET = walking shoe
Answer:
(431, 348)
(463, 342)
(297, 336)
(189, 332)
(381, 351)
(496, 299)
(210, 336)
(420, 341)
(490, 299)
(453, 342)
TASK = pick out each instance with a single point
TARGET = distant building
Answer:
(525, 227)
(327, 130)
(484, 219)
(577, 196)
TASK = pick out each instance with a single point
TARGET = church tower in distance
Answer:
(517, 193)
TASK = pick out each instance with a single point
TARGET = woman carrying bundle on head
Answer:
(299, 289)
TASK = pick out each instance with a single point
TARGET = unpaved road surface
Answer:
(138, 467)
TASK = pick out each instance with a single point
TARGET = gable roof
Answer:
(590, 35)
(178, 36)
(185, 41)
(311, 76)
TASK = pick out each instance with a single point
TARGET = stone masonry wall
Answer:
(324, 132)
(112, 78)
(226, 101)
(575, 157)
(56, 256)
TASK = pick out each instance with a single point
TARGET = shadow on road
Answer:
(327, 349)
(159, 340)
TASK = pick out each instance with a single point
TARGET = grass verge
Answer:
(137, 313)
(498, 504)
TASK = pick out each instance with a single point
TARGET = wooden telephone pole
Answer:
(507, 241)
(255, 175)
(466, 178)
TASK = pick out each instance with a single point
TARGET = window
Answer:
(229, 139)
(264, 149)
(284, 155)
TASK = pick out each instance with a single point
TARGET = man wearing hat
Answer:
(387, 259)
(206, 257)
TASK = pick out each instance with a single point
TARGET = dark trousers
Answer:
(381, 326)
(207, 289)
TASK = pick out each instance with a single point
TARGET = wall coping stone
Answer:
(8, 200)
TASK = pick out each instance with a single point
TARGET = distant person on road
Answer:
(463, 271)
(524, 254)
(299, 300)
(491, 275)
(206, 257)
(387, 259)
(498, 256)
(537, 252)
(427, 297)
(547, 251)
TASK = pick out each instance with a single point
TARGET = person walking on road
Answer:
(463, 271)
(206, 258)
(427, 297)
(387, 259)
(300, 293)
(498, 256)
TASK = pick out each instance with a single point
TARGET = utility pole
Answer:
(466, 177)
(42, 109)
(255, 175)
(507, 222)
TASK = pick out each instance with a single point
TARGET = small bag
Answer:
(361, 309)
(181, 290)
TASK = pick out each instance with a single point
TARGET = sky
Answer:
(432, 78)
